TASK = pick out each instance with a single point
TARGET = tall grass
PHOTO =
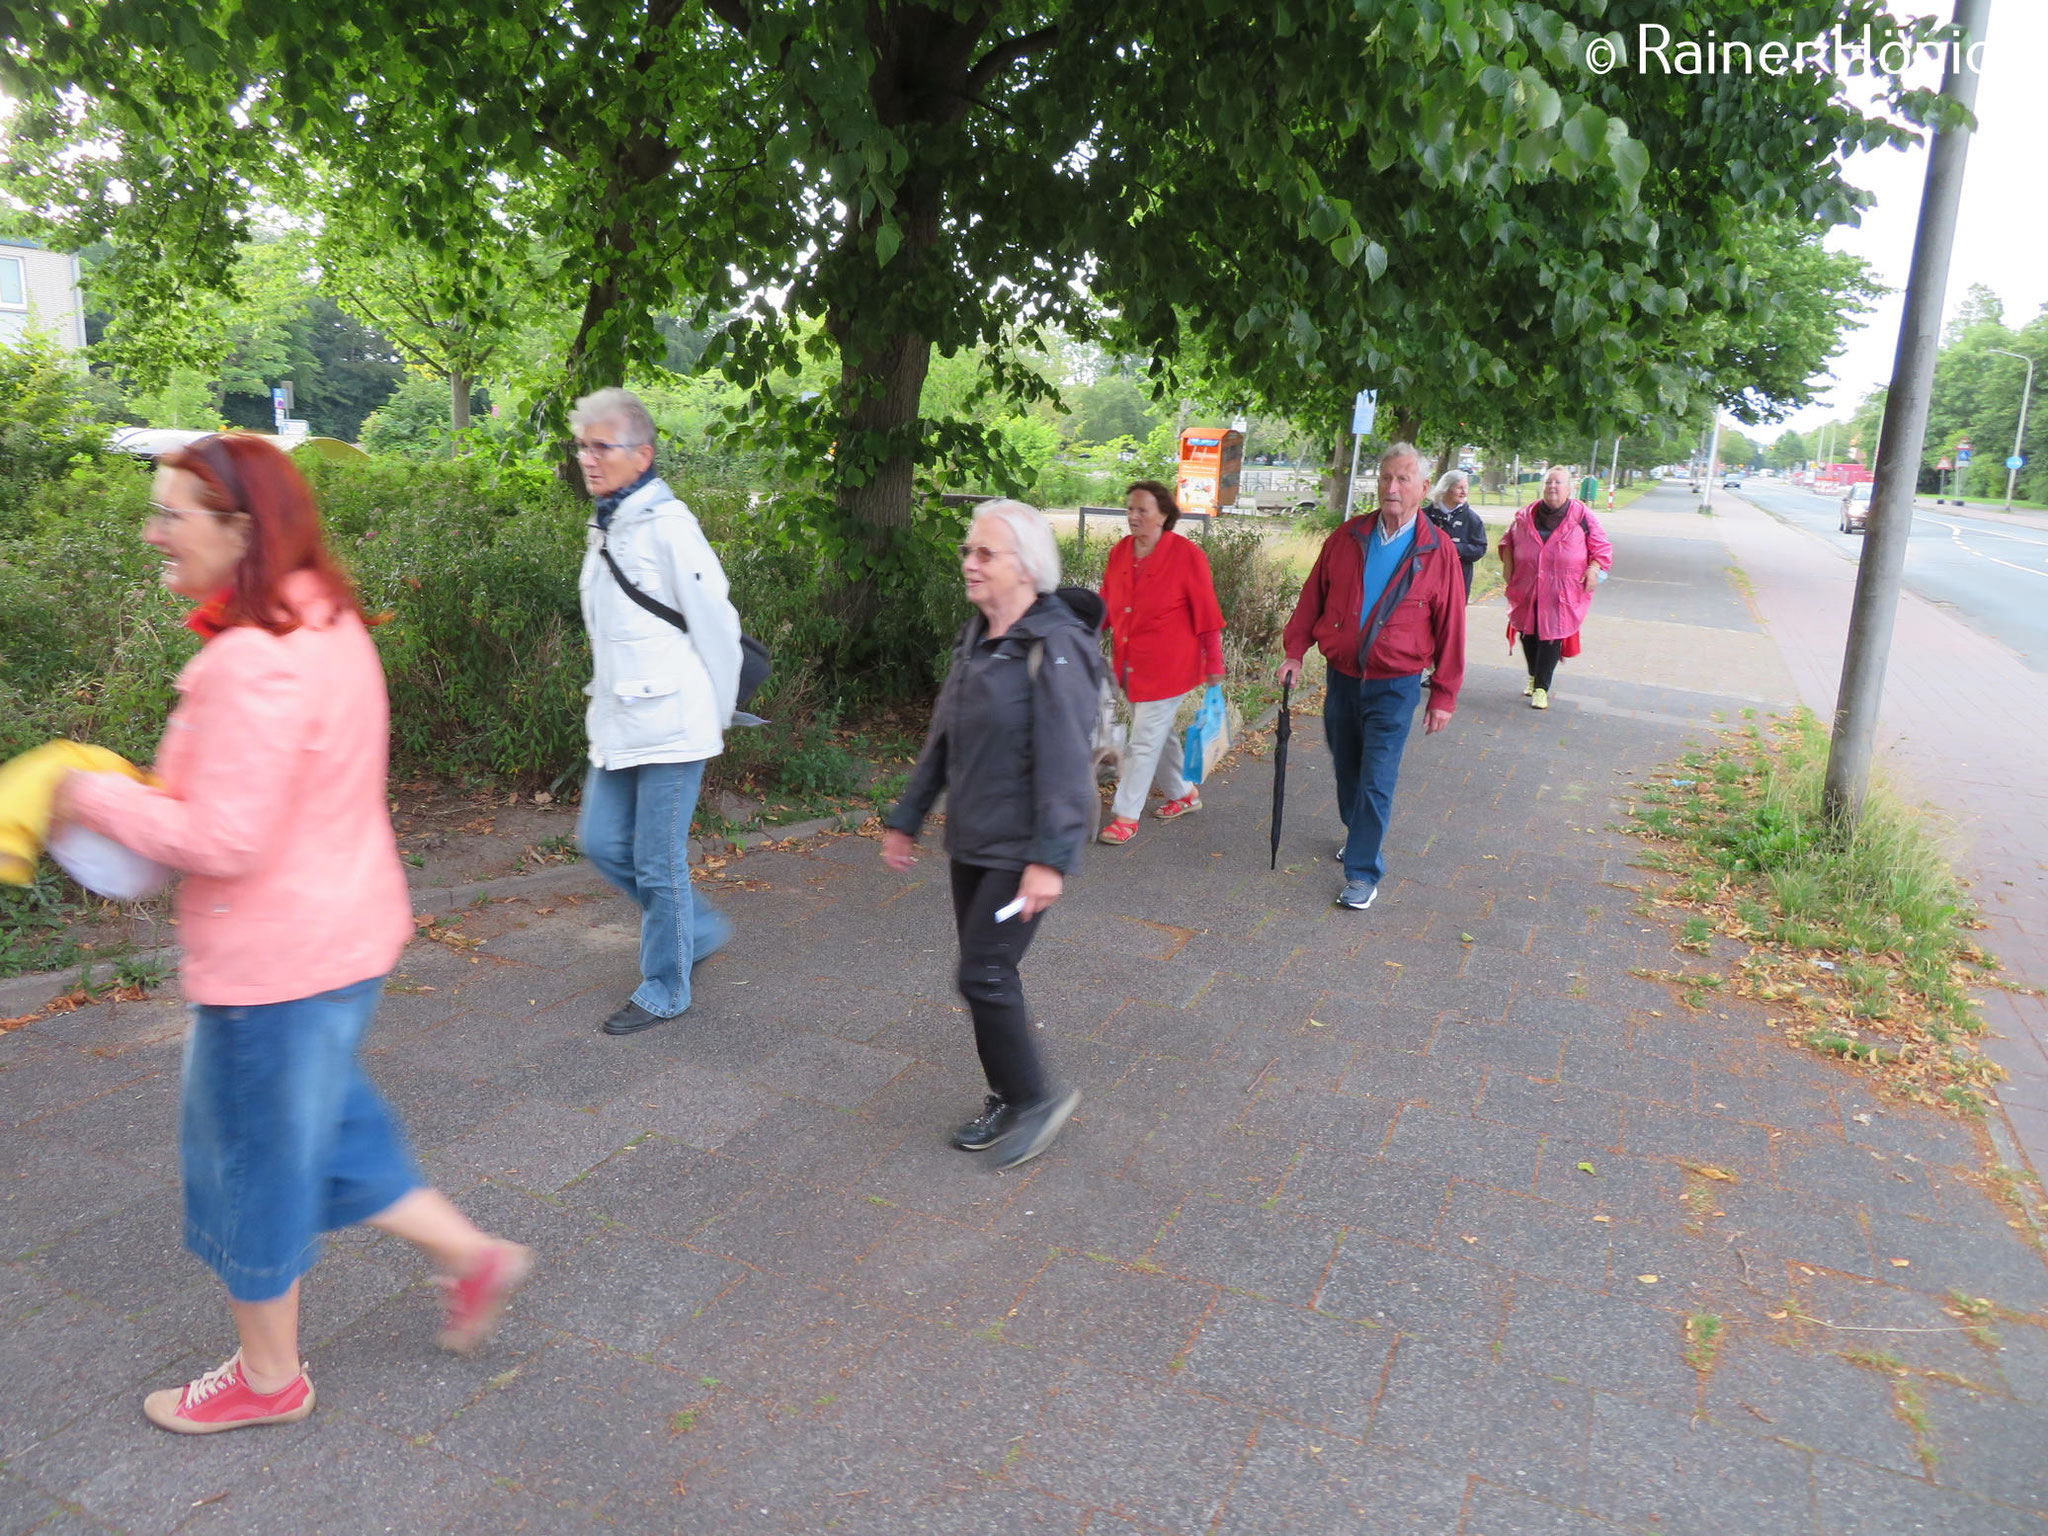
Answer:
(1865, 931)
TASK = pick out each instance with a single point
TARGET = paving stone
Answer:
(1687, 1475)
(1495, 1511)
(1551, 1107)
(830, 1070)
(1654, 1130)
(385, 1369)
(1799, 1226)
(1835, 1168)
(1464, 1147)
(534, 1145)
(1812, 1398)
(1088, 1211)
(1988, 1445)
(807, 1141)
(1305, 1482)
(1467, 1412)
(1611, 1343)
(1526, 1235)
(1194, 1152)
(581, 1427)
(2004, 1267)
(1441, 1296)
(48, 1189)
(1269, 1253)
(1116, 1316)
(1622, 1187)
(1086, 1447)
(804, 1233)
(625, 1290)
(1501, 1047)
(1633, 1074)
(1369, 1194)
(1451, 1084)
(1858, 1314)
(942, 1273)
(1312, 1367)
(1854, 1501)
(782, 1342)
(1340, 1122)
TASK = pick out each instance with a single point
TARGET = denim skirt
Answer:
(282, 1137)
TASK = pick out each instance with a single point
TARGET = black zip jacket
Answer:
(1011, 751)
(1467, 530)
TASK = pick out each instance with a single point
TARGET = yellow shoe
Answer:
(1539, 699)
(1528, 686)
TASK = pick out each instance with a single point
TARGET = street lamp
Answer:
(2012, 467)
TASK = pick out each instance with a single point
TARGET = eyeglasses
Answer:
(169, 517)
(971, 553)
(592, 448)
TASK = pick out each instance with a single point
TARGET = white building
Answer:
(39, 289)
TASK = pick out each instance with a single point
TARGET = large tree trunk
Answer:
(1335, 474)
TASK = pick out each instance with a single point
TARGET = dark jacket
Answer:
(1011, 751)
(1467, 530)
(1420, 625)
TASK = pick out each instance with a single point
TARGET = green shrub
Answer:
(48, 421)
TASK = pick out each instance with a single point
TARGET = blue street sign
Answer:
(2016, 462)
(1362, 410)
(1962, 456)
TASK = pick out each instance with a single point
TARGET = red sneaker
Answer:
(477, 1299)
(221, 1399)
(1121, 830)
(1191, 801)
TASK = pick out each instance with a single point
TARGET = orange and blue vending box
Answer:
(1210, 461)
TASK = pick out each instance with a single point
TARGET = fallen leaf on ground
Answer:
(1317, 1024)
(1709, 1171)
(1465, 938)
(1606, 1219)
(1647, 1279)
(1902, 1263)
(1585, 1168)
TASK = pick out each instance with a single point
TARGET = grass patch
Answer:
(1863, 941)
(1705, 1333)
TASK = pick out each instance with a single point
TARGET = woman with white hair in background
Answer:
(1009, 746)
(1449, 509)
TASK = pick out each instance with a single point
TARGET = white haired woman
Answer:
(1449, 508)
(1009, 746)
(1554, 553)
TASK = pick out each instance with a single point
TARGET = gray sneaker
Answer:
(1032, 1128)
(1357, 894)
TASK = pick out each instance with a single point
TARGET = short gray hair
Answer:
(617, 405)
(1037, 550)
(1402, 451)
(1445, 480)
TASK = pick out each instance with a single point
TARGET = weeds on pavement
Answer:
(1863, 941)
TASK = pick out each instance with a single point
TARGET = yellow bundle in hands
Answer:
(28, 787)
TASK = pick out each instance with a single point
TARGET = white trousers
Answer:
(1151, 757)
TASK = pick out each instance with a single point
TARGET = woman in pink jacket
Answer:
(1555, 553)
(269, 794)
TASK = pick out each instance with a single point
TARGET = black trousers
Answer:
(989, 955)
(1542, 656)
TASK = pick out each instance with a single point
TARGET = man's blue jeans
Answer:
(1366, 721)
(635, 828)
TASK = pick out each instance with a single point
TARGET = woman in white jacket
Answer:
(661, 696)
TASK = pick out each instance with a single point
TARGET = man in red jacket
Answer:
(1386, 600)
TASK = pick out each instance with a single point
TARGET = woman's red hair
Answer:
(240, 472)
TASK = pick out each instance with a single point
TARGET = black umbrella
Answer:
(1283, 729)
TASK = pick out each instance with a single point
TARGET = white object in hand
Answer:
(104, 866)
(1004, 914)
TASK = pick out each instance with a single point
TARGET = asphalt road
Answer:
(1992, 573)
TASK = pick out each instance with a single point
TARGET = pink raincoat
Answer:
(1546, 593)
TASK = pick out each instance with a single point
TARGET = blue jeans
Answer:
(1366, 721)
(282, 1137)
(635, 828)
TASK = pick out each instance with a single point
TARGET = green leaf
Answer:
(887, 239)
(1586, 1168)
(1375, 260)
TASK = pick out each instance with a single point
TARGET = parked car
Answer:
(1856, 508)
(1731, 483)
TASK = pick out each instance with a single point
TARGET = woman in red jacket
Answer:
(1167, 636)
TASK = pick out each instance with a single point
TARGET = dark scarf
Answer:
(608, 504)
(1547, 519)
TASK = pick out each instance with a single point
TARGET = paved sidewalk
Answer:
(1374, 1222)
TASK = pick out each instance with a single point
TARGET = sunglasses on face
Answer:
(970, 553)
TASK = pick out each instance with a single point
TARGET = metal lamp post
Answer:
(2012, 469)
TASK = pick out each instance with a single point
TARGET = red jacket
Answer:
(1426, 625)
(1163, 618)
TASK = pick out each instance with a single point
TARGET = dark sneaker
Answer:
(984, 1130)
(1357, 894)
(1032, 1128)
(631, 1019)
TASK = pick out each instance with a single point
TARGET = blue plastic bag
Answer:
(1207, 739)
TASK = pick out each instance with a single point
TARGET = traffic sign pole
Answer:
(2018, 459)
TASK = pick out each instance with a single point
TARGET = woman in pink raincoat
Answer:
(1555, 553)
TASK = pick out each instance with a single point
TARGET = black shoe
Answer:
(982, 1132)
(1032, 1129)
(631, 1019)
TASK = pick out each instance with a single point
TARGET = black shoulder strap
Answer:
(653, 605)
(1390, 598)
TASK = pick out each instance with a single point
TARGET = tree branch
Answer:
(1003, 55)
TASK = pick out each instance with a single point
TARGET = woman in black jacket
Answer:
(1009, 745)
